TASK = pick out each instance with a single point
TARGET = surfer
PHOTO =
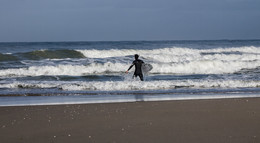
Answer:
(138, 67)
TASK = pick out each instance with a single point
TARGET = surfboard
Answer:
(146, 68)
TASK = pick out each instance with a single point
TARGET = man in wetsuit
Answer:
(138, 67)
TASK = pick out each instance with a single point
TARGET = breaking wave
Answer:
(194, 67)
(164, 61)
(133, 85)
(173, 51)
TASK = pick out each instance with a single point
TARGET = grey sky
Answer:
(104, 20)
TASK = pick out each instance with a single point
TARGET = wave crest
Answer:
(134, 85)
(7, 57)
(194, 67)
(52, 54)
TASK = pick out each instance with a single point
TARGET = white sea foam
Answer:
(71, 70)
(174, 51)
(190, 61)
(132, 85)
(165, 61)
(206, 67)
(191, 67)
(158, 85)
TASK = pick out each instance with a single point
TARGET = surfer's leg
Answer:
(141, 77)
(134, 76)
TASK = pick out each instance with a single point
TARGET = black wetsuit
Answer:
(138, 68)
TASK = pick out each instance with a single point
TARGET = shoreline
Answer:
(234, 120)
(38, 100)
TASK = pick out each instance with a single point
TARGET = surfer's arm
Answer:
(129, 68)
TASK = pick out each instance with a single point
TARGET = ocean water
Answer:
(92, 72)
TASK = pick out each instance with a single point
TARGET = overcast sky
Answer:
(105, 20)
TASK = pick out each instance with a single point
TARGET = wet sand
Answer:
(190, 121)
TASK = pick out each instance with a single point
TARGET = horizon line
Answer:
(60, 41)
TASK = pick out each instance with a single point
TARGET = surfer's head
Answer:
(136, 56)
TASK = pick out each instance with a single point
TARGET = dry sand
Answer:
(191, 121)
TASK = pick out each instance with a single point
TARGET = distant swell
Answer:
(7, 57)
(52, 54)
(42, 54)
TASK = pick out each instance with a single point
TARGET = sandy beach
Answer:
(197, 121)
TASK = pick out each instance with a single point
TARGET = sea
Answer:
(52, 73)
